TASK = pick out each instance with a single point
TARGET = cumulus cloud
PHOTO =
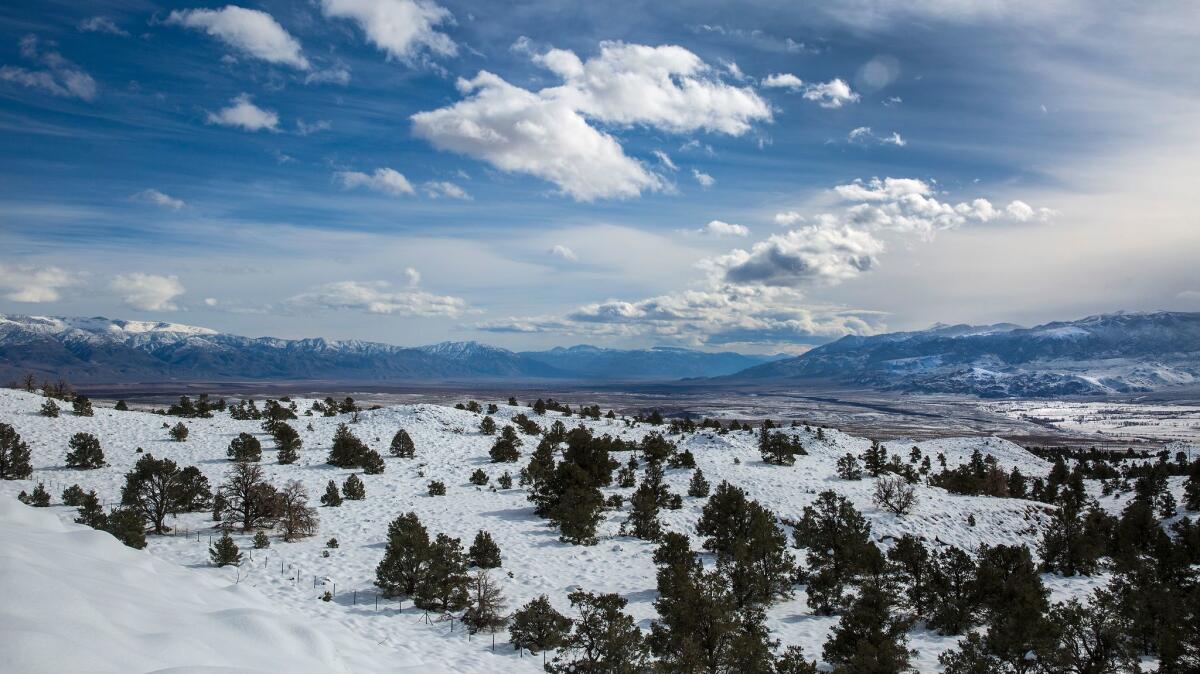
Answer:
(211, 302)
(249, 31)
(863, 135)
(57, 75)
(153, 196)
(385, 180)
(101, 24)
(242, 113)
(703, 178)
(832, 94)
(563, 253)
(812, 255)
(783, 81)
(35, 285)
(378, 297)
(443, 188)
(520, 131)
(788, 218)
(1022, 212)
(548, 133)
(401, 28)
(720, 228)
(148, 292)
(412, 276)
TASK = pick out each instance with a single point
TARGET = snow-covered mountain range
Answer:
(1104, 354)
(104, 350)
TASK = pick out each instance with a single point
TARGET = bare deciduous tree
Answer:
(485, 603)
(295, 515)
(892, 493)
(250, 500)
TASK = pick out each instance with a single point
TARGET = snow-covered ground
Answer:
(1178, 425)
(291, 576)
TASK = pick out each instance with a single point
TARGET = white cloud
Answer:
(148, 292)
(244, 114)
(153, 196)
(305, 129)
(339, 75)
(720, 228)
(519, 131)
(248, 30)
(413, 277)
(665, 160)
(703, 178)
(863, 135)
(210, 302)
(563, 253)
(547, 133)
(788, 218)
(59, 77)
(832, 94)
(34, 285)
(377, 297)
(385, 180)
(100, 24)
(401, 28)
(783, 81)
(1022, 212)
(812, 255)
(444, 188)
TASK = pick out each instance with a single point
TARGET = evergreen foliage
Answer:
(332, 497)
(484, 552)
(14, 455)
(353, 488)
(244, 447)
(225, 552)
(85, 452)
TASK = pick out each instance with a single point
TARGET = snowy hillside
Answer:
(292, 576)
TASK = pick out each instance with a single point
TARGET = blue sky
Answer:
(760, 176)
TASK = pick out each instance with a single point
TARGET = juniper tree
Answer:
(1014, 603)
(577, 506)
(1191, 488)
(698, 487)
(225, 552)
(875, 458)
(38, 498)
(250, 500)
(1067, 547)
(287, 443)
(437, 488)
(49, 409)
(537, 627)
(179, 432)
(750, 549)
(643, 515)
(244, 447)
(848, 468)
(372, 463)
(1091, 638)
(478, 477)
(14, 455)
(504, 449)
(487, 426)
(220, 505)
(91, 513)
(296, 517)
(779, 448)
(332, 497)
(443, 586)
(539, 476)
(353, 488)
(261, 541)
(347, 450)
(82, 406)
(405, 558)
(73, 496)
(870, 637)
(484, 553)
(953, 597)
(837, 539)
(485, 602)
(154, 489)
(505, 480)
(604, 638)
(127, 525)
(910, 562)
(85, 452)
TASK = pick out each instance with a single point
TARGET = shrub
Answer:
(85, 452)
(437, 488)
(179, 432)
(353, 488)
(261, 541)
(895, 495)
(479, 477)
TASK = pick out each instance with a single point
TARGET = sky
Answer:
(757, 176)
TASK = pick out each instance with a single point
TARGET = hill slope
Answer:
(1110, 353)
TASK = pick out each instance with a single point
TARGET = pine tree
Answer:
(1014, 603)
(287, 443)
(484, 553)
(332, 497)
(837, 538)
(154, 490)
(225, 552)
(537, 627)
(91, 513)
(487, 426)
(121, 406)
(14, 455)
(127, 525)
(698, 487)
(792, 661)
(505, 447)
(85, 452)
(848, 468)
(437, 488)
(39, 498)
(478, 478)
(871, 636)
(750, 549)
(179, 432)
(443, 586)
(1089, 638)
(911, 564)
(372, 463)
(73, 496)
(643, 515)
(406, 557)
(347, 450)
(1191, 488)
(1067, 547)
(261, 541)
(604, 638)
(353, 488)
(577, 508)
(875, 458)
(49, 409)
(244, 447)
(485, 602)
(953, 599)
(82, 406)
(505, 480)
(402, 445)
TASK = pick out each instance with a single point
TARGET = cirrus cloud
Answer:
(378, 297)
